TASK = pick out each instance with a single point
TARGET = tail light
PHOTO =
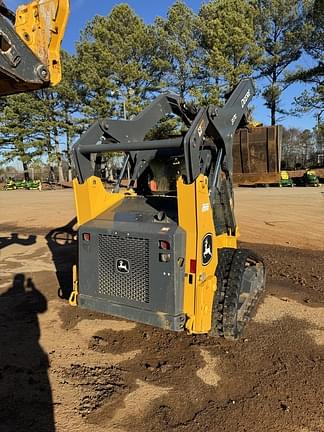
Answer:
(86, 237)
(165, 245)
(193, 266)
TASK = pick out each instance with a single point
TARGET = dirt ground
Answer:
(67, 369)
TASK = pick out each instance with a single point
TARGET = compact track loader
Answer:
(163, 250)
(30, 42)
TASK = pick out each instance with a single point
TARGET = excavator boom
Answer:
(30, 42)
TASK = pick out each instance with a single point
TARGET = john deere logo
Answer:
(207, 249)
(122, 265)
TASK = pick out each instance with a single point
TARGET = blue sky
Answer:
(83, 10)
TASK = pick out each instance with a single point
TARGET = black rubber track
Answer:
(230, 271)
(225, 257)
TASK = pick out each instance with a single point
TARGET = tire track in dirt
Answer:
(266, 381)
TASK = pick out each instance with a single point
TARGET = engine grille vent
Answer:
(134, 254)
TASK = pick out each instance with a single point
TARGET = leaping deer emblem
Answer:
(207, 249)
(123, 266)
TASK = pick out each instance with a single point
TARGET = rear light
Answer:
(193, 266)
(86, 237)
(163, 244)
(165, 257)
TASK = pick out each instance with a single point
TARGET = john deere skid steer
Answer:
(30, 42)
(163, 249)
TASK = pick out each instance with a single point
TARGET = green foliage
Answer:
(121, 63)
(177, 38)
(272, 95)
(313, 98)
(117, 63)
(166, 127)
(228, 36)
(30, 124)
(314, 45)
(20, 136)
(61, 105)
(282, 30)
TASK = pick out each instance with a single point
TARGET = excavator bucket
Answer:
(30, 45)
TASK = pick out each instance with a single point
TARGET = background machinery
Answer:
(30, 42)
(285, 179)
(163, 250)
(310, 178)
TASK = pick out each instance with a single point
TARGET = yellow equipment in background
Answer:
(41, 25)
(30, 43)
(285, 179)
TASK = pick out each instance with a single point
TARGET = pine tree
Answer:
(19, 133)
(282, 29)
(228, 36)
(178, 46)
(313, 98)
(61, 116)
(117, 65)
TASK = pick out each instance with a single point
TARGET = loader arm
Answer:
(206, 147)
(219, 124)
(30, 45)
(211, 130)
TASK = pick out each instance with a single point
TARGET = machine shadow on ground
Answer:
(14, 239)
(62, 243)
(25, 393)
